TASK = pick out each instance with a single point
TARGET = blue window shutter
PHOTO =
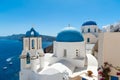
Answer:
(84, 79)
(114, 78)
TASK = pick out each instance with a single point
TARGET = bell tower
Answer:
(32, 56)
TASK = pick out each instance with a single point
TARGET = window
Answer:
(76, 52)
(94, 30)
(114, 78)
(88, 40)
(33, 44)
(65, 53)
(88, 30)
(28, 58)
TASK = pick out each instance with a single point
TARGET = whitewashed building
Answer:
(68, 60)
(90, 32)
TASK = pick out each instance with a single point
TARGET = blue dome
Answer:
(69, 35)
(32, 33)
(89, 23)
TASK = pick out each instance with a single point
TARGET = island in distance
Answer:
(20, 36)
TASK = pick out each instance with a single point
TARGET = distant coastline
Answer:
(20, 36)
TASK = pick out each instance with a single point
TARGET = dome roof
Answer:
(32, 33)
(89, 23)
(69, 35)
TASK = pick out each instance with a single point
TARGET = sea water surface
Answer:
(10, 51)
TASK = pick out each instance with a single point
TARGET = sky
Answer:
(49, 17)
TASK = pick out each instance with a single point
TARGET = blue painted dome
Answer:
(69, 35)
(32, 33)
(89, 23)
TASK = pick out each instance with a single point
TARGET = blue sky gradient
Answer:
(50, 16)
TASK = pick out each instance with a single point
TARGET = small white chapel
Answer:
(69, 60)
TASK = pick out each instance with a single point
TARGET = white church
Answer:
(90, 32)
(69, 60)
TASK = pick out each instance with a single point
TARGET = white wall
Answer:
(92, 28)
(57, 76)
(92, 34)
(25, 75)
(36, 56)
(71, 48)
(35, 64)
(93, 38)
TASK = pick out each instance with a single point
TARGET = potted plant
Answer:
(104, 71)
(89, 73)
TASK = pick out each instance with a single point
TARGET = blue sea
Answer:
(10, 51)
